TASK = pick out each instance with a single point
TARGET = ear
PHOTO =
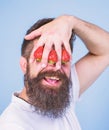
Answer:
(23, 64)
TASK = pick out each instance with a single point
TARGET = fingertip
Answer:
(43, 65)
(26, 37)
(58, 65)
(31, 60)
(29, 36)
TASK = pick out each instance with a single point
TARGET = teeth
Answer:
(53, 78)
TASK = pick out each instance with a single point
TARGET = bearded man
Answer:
(47, 101)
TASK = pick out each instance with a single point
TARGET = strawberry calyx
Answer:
(51, 62)
(38, 60)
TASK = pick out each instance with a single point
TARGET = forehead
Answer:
(35, 41)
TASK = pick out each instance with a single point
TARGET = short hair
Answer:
(28, 45)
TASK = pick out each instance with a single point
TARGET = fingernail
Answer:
(43, 65)
(31, 60)
(58, 66)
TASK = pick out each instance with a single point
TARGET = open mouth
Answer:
(51, 81)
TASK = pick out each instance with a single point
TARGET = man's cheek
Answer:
(35, 69)
(66, 69)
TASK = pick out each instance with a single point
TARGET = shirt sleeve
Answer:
(75, 84)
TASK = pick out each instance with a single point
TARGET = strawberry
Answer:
(38, 54)
(65, 56)
(52, 58)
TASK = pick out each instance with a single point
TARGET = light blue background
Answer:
(16, 16)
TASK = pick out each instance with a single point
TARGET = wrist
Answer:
(72, 21)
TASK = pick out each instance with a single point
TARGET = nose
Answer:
(53, 67)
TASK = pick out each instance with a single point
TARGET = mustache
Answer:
(49, 73)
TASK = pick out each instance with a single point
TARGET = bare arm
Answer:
(97, 42)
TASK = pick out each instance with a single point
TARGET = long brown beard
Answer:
(48, 101)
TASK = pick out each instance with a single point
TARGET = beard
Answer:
(48, 101)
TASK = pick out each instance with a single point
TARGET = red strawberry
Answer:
(65, 56)
(52, 58)
(38, 54)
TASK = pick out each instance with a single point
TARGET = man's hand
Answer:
(55, 33)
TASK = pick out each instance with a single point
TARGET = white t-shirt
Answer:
(19, 115)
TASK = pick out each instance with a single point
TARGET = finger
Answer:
(33, 34)
(58, 49)
(47, 49)
(67, 47)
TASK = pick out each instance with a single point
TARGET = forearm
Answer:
(95, 38)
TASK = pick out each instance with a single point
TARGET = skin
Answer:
(95, 39)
